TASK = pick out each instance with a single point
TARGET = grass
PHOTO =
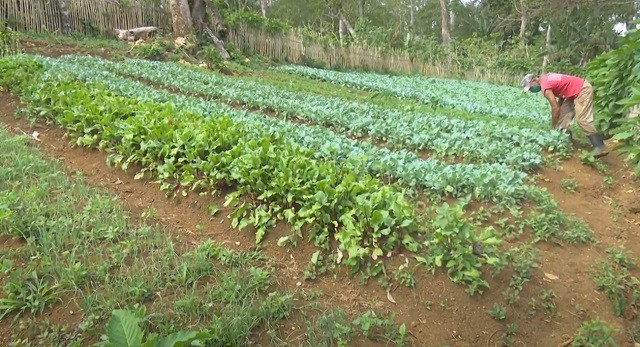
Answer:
(78, 249)
(78, 41)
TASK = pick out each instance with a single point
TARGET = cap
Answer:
(526, 81)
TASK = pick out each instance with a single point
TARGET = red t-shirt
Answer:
(562, 86)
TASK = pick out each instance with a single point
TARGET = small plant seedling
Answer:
(587, 159)
(608, 180)
(621, 256)
(213, 209)
(568, 185)
(427, 304)
(618, 284)
(404, 277)
(580, 310)
(149, 213)
(497, 312)
(594, 333)
(547, 298)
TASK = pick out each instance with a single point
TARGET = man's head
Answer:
(531, 83)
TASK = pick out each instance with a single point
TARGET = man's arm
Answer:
(555, 108)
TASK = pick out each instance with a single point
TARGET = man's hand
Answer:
(555, 108)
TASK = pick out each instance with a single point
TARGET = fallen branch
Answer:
(134, 34)
(217, 42)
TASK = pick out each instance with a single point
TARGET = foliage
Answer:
(485, 182)
(282, 180)
(123, 329)
(9, 43)
(614, 76)
(91, 242)
(458, 246)
(252, 19)
(373, 327)
(497, 312)
(594, 334)
(474, 97)
(568, 185)
(31, 292)
(617, 282)
(443, 135)
(628, 134)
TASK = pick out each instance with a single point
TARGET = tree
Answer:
(444, 17)
(181, 16)
(524, 21)
(361, 9)
(64, 16)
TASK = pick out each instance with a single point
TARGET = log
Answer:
(134, 34)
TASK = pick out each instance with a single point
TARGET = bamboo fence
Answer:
(88, 17)
(293, 47)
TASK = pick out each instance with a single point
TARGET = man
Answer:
(575, 98)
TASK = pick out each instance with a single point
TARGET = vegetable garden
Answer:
(363, 183)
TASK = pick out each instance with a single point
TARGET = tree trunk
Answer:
(452, 16)
(361, 10)
(444, 16)
(182, 25)
(341, 29)
(216, 18)
(547, 57)
(412, 20)
(65, 19)
(197, 13)
(347, 25)
(524, 21)
(218, 43)
(263, 8)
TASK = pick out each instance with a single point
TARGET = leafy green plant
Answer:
(149, 50)
(123, 329)
(30, 293)
(497, 312)
(373, 326)
(9, 43)
(507, 337)
(620, 286)
(629, 135)
(568, 185)
(404, 277)
(594, 334)
(621, 256)
(458, 246)
(547, 300)
(330, 329)
(614, 75)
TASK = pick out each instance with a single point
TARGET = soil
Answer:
(436, 312)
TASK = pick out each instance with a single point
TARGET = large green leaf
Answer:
(123, 329)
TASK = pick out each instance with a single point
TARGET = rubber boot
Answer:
(598, 144)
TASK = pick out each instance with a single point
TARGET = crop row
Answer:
(487, 182)
(477, 97)
(477, 141)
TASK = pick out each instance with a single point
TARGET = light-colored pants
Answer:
(582, 108)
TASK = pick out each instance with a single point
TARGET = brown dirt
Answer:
(453, 317)
(45, 48)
